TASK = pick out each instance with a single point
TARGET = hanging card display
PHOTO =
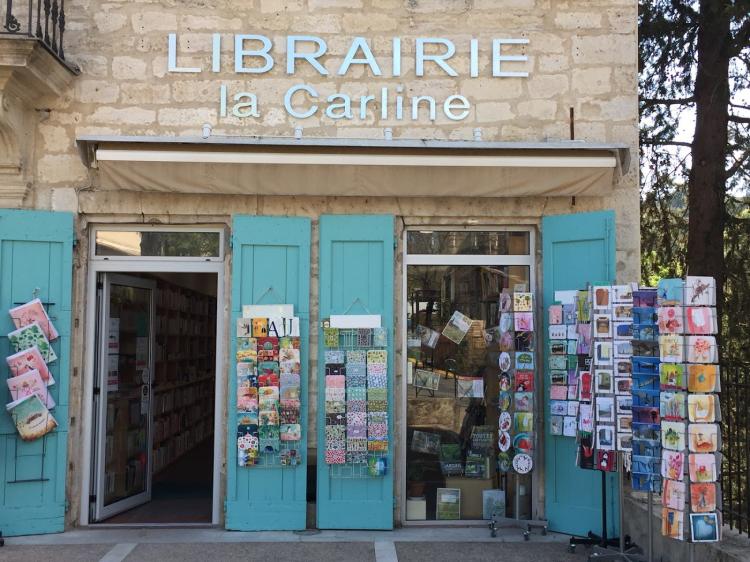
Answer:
(32, 336)
(33, 312)
(31, 417)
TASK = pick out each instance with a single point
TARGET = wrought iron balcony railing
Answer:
(43, 20)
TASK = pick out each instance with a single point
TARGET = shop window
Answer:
(128, 243)
(452, 368)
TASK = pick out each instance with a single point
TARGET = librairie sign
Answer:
(257, 55)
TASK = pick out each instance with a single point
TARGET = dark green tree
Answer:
(694, 63)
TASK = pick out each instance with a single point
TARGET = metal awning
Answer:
(354, 167)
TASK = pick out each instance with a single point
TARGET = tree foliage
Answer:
(694, 65)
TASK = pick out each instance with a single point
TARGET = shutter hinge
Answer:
(225, 506)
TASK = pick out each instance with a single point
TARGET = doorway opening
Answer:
(154, 418)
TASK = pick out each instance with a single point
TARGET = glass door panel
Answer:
(125, 367)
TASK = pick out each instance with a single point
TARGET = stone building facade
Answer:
(580, 57)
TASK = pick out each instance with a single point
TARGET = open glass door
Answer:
(125, 367)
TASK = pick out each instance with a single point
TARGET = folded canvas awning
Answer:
(353, 167)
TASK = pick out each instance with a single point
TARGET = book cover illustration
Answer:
(33, 311)
(30, 336)
(29, 360)
(30, 383)
(31, 418)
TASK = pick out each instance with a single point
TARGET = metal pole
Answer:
(622, 508)
(650, 526)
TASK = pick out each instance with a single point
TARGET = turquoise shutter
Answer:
(577, 249)
(356, 277)
(36, 252)
(270, 265)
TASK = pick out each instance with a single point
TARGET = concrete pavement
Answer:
(434, 544)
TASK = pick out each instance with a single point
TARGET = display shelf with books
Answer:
(185, 357)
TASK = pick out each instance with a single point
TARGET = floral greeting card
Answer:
(701, 349)
(33, 311)
(672, 465)
(29, 360)
(523, 302)
(30, 383)
(670, 320)
(671, 348)
(30, 336)
(702, 467)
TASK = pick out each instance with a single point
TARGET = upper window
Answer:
(156, 243)
(468, 242)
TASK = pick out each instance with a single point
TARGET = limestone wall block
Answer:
(492, 88)
(490, 112)
(108, 22)
(267, 6)
(56, 138)
(548, 85)
(93, 66)
(127, 68)
(96, 91)
(137, 93)
(181, 117)
(123, 116)
(314, 5)
(210, 23)
(578, 20)
(592, 81)
(542, 110)
(153, 20)
(605, 49)
(61, 168)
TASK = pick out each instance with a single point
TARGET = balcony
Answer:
(34, 73)
(41, 20)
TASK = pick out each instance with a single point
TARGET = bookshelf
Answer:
(184, 378)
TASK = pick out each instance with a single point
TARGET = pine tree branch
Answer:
(738, 106)
(741, 39)
(738, 119)
(738, 164)
(650, 102)
(651, 142)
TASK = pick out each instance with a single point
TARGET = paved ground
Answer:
(206, 545)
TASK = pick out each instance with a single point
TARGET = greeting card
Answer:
(701, 349)
(30, 336)
(31, 418)
(703, 408)
(702, 467)
(29, 360)
(523, 302)
(523, 321)
(700, 291)
(605, 409)
(555, 314)
(669, 292)
(703, 497)
(523, 381)
(31, 312)
(673, 465)
(701, 320)
(673, 495)
(602, 326)
(602, 298)
(672, 406)
(703, 437)
(605, 437)
(670, 320)
(671, 376)
(457, 327)
(673, 435)
(30, 383)
(705, 527)
(703, 378)
(672, 522)
(671, 348)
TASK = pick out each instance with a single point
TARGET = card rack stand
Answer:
(41, 478)
(350, 470)
(592, 539)
(526, 525)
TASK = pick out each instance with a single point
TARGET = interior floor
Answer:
(181, 493)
